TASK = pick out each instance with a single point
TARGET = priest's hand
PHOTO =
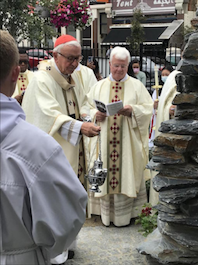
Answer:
(100, 116)
(19, 98)
(155, 105)
(126, 111)
(90, 129)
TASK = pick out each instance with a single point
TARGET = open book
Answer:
(110, 109)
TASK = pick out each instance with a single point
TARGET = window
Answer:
(86, 37)
(103, 24)
(71, 30)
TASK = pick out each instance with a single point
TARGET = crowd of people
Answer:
(48, 142)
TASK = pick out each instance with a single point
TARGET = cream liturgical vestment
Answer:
(124, 145)
(22, 82)
(168, 93)
(153, 122)
(51, 101)
(85, 76)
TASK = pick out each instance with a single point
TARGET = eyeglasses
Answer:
(123, 66)
(23, 61)
(71, 59)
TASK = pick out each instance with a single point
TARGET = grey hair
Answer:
(73, 42)
(120, 53)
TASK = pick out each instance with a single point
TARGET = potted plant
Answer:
(74, 12)
(147, 219)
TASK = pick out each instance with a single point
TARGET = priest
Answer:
(24, 77)
(165, 107)
(124, 142)
(53, 100)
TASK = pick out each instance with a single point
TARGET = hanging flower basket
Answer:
(74, 12)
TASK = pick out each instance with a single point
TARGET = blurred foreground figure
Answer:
(42, 206)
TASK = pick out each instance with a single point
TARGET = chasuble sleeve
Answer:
(92, 78)
(88, 77)
(167, 95)
(143, 109)
(85, 104)
(73, 136)
(44, 104)
(142, 112)
(58, 202)
(81, 96)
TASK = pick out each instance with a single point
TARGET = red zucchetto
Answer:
(64, 39)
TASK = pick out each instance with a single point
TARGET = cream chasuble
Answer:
(49, 102)
(124, 140)
(22, 82)
(85, 76)
(168, 93)
(73, 111)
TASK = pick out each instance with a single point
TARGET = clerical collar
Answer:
(78, 67)
(26, 71)
(124, 79)
(65, 76)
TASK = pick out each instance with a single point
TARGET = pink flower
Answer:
(71, 11)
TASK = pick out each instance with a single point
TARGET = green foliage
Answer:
(137, 31)
(39, 29)
(22, 21)
(147, 219)
(49, 4)
(12, 16)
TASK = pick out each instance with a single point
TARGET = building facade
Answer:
(164, 21)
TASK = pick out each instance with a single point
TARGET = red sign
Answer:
(148, 7)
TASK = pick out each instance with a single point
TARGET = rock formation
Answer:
(175, 157)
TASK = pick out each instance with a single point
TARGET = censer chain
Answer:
(98, 140)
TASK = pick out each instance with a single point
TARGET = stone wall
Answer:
(175, 157)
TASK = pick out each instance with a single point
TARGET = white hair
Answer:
(120, 53)
(60, 46)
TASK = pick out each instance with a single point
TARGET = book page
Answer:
(110, 109)
(114, 107)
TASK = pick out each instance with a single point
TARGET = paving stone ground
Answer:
(100, 245)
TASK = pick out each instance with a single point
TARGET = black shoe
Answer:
(70, 254)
